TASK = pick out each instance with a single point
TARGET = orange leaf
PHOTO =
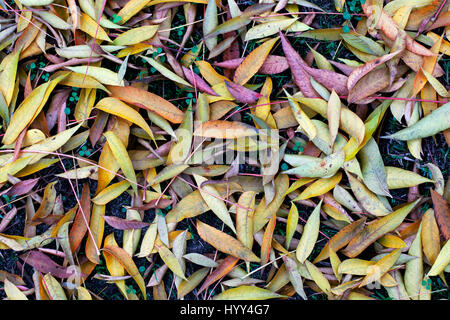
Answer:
(147, 100)
(80, 223)
(442, 213)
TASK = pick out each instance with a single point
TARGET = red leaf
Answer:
(42, 263)
(241, 93)
(22, 187)
(198, 82)
(296, 63)
(330, 80)
(123, 224)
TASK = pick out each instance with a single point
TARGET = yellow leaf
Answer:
(131, 8)
(28, 110)
(210, 75)
(181, 148)
(310, 234)
(212, 197)
(318, 277)
(90, 26)
(440, 89)
(244, 218)
(135, 36)
(166, 72)
(269, 28)
(168, 173)
(377, 229)
(320, 187)
(169, 259)
(148, 241)
(253, 62)
(191, 282)
(414, 268)
(97, 227)
(400, 178)
(116, 107)
(80, 173)
(48, 201)
(335, 262)
(302, 118)
(12, 292)
(83, 294)
(430, 236)
(391, 241)
(247, 293)
(442, 261)
(79, 80)
(221, 129)
(263, 105)
(121, 155)
(376, 271)
(51, 144)
(53, 288)
(367, 198)
(334, 115)
(225, 243)
(102, 75)
(8, 75)
(264, 211)
(350, 122)
(113, 265)
(355, 266)
(111, 192)
(291, 224)
(12, 168)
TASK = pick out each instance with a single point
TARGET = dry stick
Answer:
(306, 12)
(265, 265)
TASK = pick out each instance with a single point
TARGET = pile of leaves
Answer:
(202, 149)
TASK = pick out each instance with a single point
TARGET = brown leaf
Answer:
(221, 271)
(368, 85)
(442, 213)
